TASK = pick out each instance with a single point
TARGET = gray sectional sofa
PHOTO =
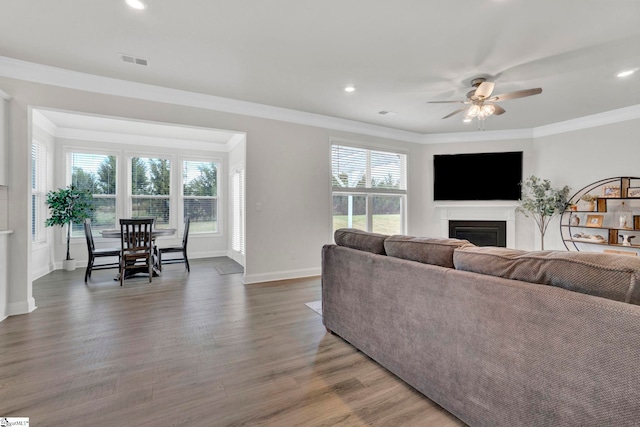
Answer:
(498, 337)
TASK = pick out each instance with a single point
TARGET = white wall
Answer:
(287, 166)
(288, 174)
(581, 157)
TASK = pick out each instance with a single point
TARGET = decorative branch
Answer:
(542, 202)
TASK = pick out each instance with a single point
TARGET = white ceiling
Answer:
(299, 54)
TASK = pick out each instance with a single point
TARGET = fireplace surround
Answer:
(474, 212)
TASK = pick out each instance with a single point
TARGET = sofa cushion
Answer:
(362, 240)
(609, 276)
(423, 249)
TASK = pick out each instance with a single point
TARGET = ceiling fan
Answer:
(480, 104)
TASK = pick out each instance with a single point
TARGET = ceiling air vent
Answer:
(133, 60)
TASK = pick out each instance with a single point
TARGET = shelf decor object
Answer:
(613, 222)
(595, 220)
(623, 215)
(610, 191)
(633, 192)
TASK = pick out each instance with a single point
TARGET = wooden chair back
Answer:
(136, 235)
(137, 246)
(91, 247)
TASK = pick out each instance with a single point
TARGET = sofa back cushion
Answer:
(609, 276)
(362, 240)
(423, 249)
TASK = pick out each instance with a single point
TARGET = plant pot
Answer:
(588, 206)
(69, 264)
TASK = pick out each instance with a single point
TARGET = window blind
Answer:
(237, 237)
(38, 192)
(96, 173)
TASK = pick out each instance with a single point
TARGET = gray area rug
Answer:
(225, 265)
(315, 306)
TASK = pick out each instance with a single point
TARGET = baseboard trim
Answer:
(281, 275)
(42, 272)
(21, 307)
(82, 263)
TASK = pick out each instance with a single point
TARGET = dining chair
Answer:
(177, 249)
(137, 246)
(97, 253)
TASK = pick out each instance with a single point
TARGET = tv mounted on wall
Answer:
(477, 176)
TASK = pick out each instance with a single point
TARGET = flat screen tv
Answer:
(477, 176)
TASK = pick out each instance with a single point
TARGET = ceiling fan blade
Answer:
(516, 94)
(445, 102)
(484, 90)
(498, 110)
(454, 113)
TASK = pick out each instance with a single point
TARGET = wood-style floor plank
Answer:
(198, 349)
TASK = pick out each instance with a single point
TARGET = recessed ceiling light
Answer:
(350, 88)
(136, 4)
(625, 73)
(467, 120)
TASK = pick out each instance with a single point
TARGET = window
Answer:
(96, 173)
(151, 189)
(200, 195)
(38, 192)
(237, 190)
(368, 189)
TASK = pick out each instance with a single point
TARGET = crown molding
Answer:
(4, 95)
(492, 135)
(586, 122)
(43, 122)
(152, 141)
(38, 73)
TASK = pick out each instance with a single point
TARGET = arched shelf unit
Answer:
(611, 223)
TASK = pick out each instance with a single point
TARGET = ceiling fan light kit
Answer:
(480, 103)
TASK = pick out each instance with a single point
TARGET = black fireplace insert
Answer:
(480, 233)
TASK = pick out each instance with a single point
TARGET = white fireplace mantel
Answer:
(479, 211)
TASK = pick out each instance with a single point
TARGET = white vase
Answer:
(69, 264)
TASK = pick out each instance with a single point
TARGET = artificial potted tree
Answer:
(542, 202)
(66, 206)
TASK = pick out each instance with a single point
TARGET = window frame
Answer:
(124, 177)
(67, 153)
(128, 202)
(369, 191)
(219, 189)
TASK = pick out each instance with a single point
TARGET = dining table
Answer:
(115, 233)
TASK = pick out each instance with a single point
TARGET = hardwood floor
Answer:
(198, 349)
